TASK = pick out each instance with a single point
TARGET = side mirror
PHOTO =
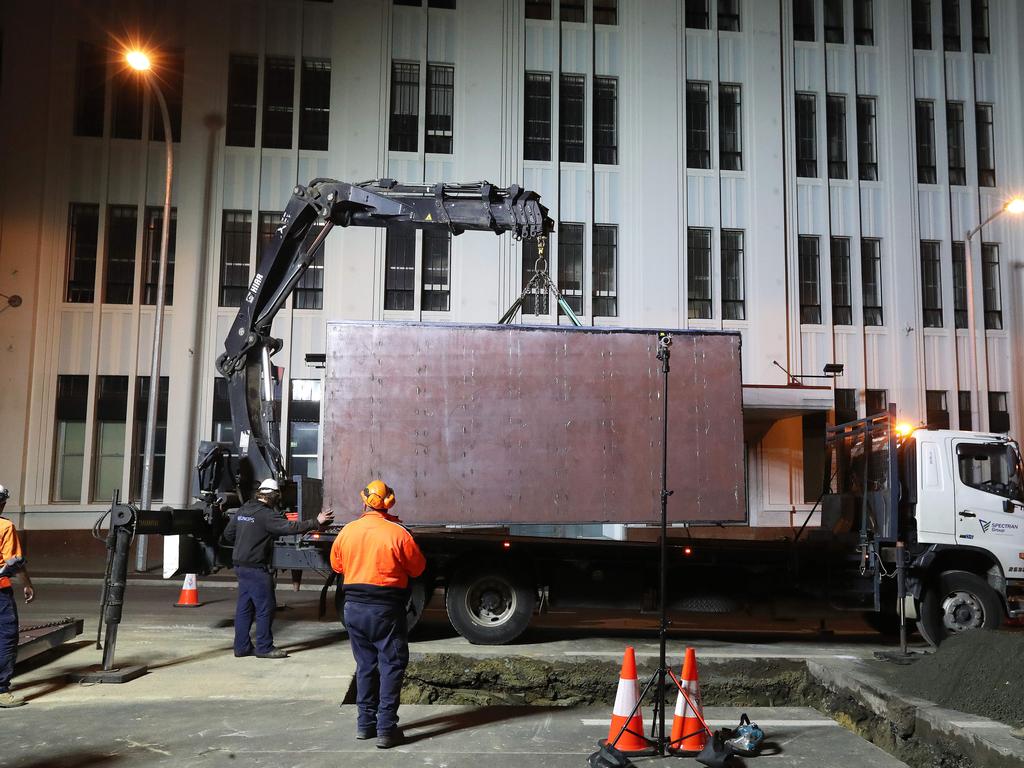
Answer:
(1011, 506)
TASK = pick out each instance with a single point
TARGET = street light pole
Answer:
(158, 316)
(1015, 206)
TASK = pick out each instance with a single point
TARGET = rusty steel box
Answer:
(495, 424)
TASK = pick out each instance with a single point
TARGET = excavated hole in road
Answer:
(453, 679)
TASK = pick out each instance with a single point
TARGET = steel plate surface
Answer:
(518, 424)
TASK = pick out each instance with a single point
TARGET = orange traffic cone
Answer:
(688, 735)
(632, 740)
(189, 596)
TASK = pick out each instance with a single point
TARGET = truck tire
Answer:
(414, 609)
(489, 606)
(957, 601)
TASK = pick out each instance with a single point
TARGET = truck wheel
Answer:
(958, 601)
(489, 607)
(414, 610)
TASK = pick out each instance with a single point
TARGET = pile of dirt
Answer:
(452, 679)
(977, 672)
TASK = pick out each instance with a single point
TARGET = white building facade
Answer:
(800, 171)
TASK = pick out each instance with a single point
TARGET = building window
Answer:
(400, 269)
(813, 427)
(697, 16)
(570, 265)
(108, 439)
(964, 406)
(172, 85)
(698, 273)
(863, 22)
(733, 293)
(730, 133)
(998, 413)
(605, 294)
(538, 9)
(309, 291)
(931, 284)
(90, 91)
(842, 301)
(921, 22)
(304, 427)
(265, 232)
(533, 303)
(806, 136)
(876, 401)
(315, 104)
(959, 285)
(986, 144)
(955, 142)
(436, 260)
(835, 117)
(803, 20)
(223, 428)
(867, 151)
(69, 443)
(440, 108)
(126, 105)
(447, 5)
(871, 279)
(925, 120)
(139, 437)
(537, 117)
(83, 233)
(234, 257)
(278, 102)
(243, 81)
(698, 125)
(729, 15)
(606, 12)
(403, 132)
(990, 286)
(606, 141)
(120, 262)
(810, 280)
(846, 406)
(979, 26)
(570, 115)
(834, 32)
(572, 10)
(937, 412)
(152, 234)
(951, 25)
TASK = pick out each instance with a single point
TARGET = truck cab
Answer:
(967, 507)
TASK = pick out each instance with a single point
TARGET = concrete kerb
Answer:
(985, 742)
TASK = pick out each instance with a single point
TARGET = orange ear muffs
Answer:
(378, 495)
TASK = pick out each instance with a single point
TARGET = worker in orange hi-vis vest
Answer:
(11, 562)
(377, 557)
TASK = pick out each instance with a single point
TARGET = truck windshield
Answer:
(990, 467)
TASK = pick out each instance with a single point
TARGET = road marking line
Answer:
(977, 724)
(710, 654)
(764, 723)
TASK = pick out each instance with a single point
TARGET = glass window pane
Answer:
(405, 107)
(698, 273)
(315, 118)
(243, 81)
(537, 117)
(571, 116)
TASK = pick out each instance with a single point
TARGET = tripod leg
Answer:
(636, 708)
(509, 316)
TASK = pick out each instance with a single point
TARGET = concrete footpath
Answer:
(201, 706)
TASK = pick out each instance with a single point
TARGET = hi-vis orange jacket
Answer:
(9, 547)
(377, 556)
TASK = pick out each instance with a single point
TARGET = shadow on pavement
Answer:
(472, 718)
(72, 760)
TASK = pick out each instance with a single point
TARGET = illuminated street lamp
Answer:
(1015, 206)
(140, 62)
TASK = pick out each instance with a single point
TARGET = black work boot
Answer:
(366, 733)
(273, 653)
(389, 739)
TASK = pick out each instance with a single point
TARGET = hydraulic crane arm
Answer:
(245, 362)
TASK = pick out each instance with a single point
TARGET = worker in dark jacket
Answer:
(377, 556)
(252, 532)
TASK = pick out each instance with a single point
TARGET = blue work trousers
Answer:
(255, 599)
(8, 637)
(378, 635)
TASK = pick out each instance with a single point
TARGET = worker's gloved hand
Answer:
(12, 566)
(326, 516)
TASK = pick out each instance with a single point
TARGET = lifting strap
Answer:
(539, 284)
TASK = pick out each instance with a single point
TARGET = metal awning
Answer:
(765, 404)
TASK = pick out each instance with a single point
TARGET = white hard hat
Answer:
(270, 484)
(4, 494)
